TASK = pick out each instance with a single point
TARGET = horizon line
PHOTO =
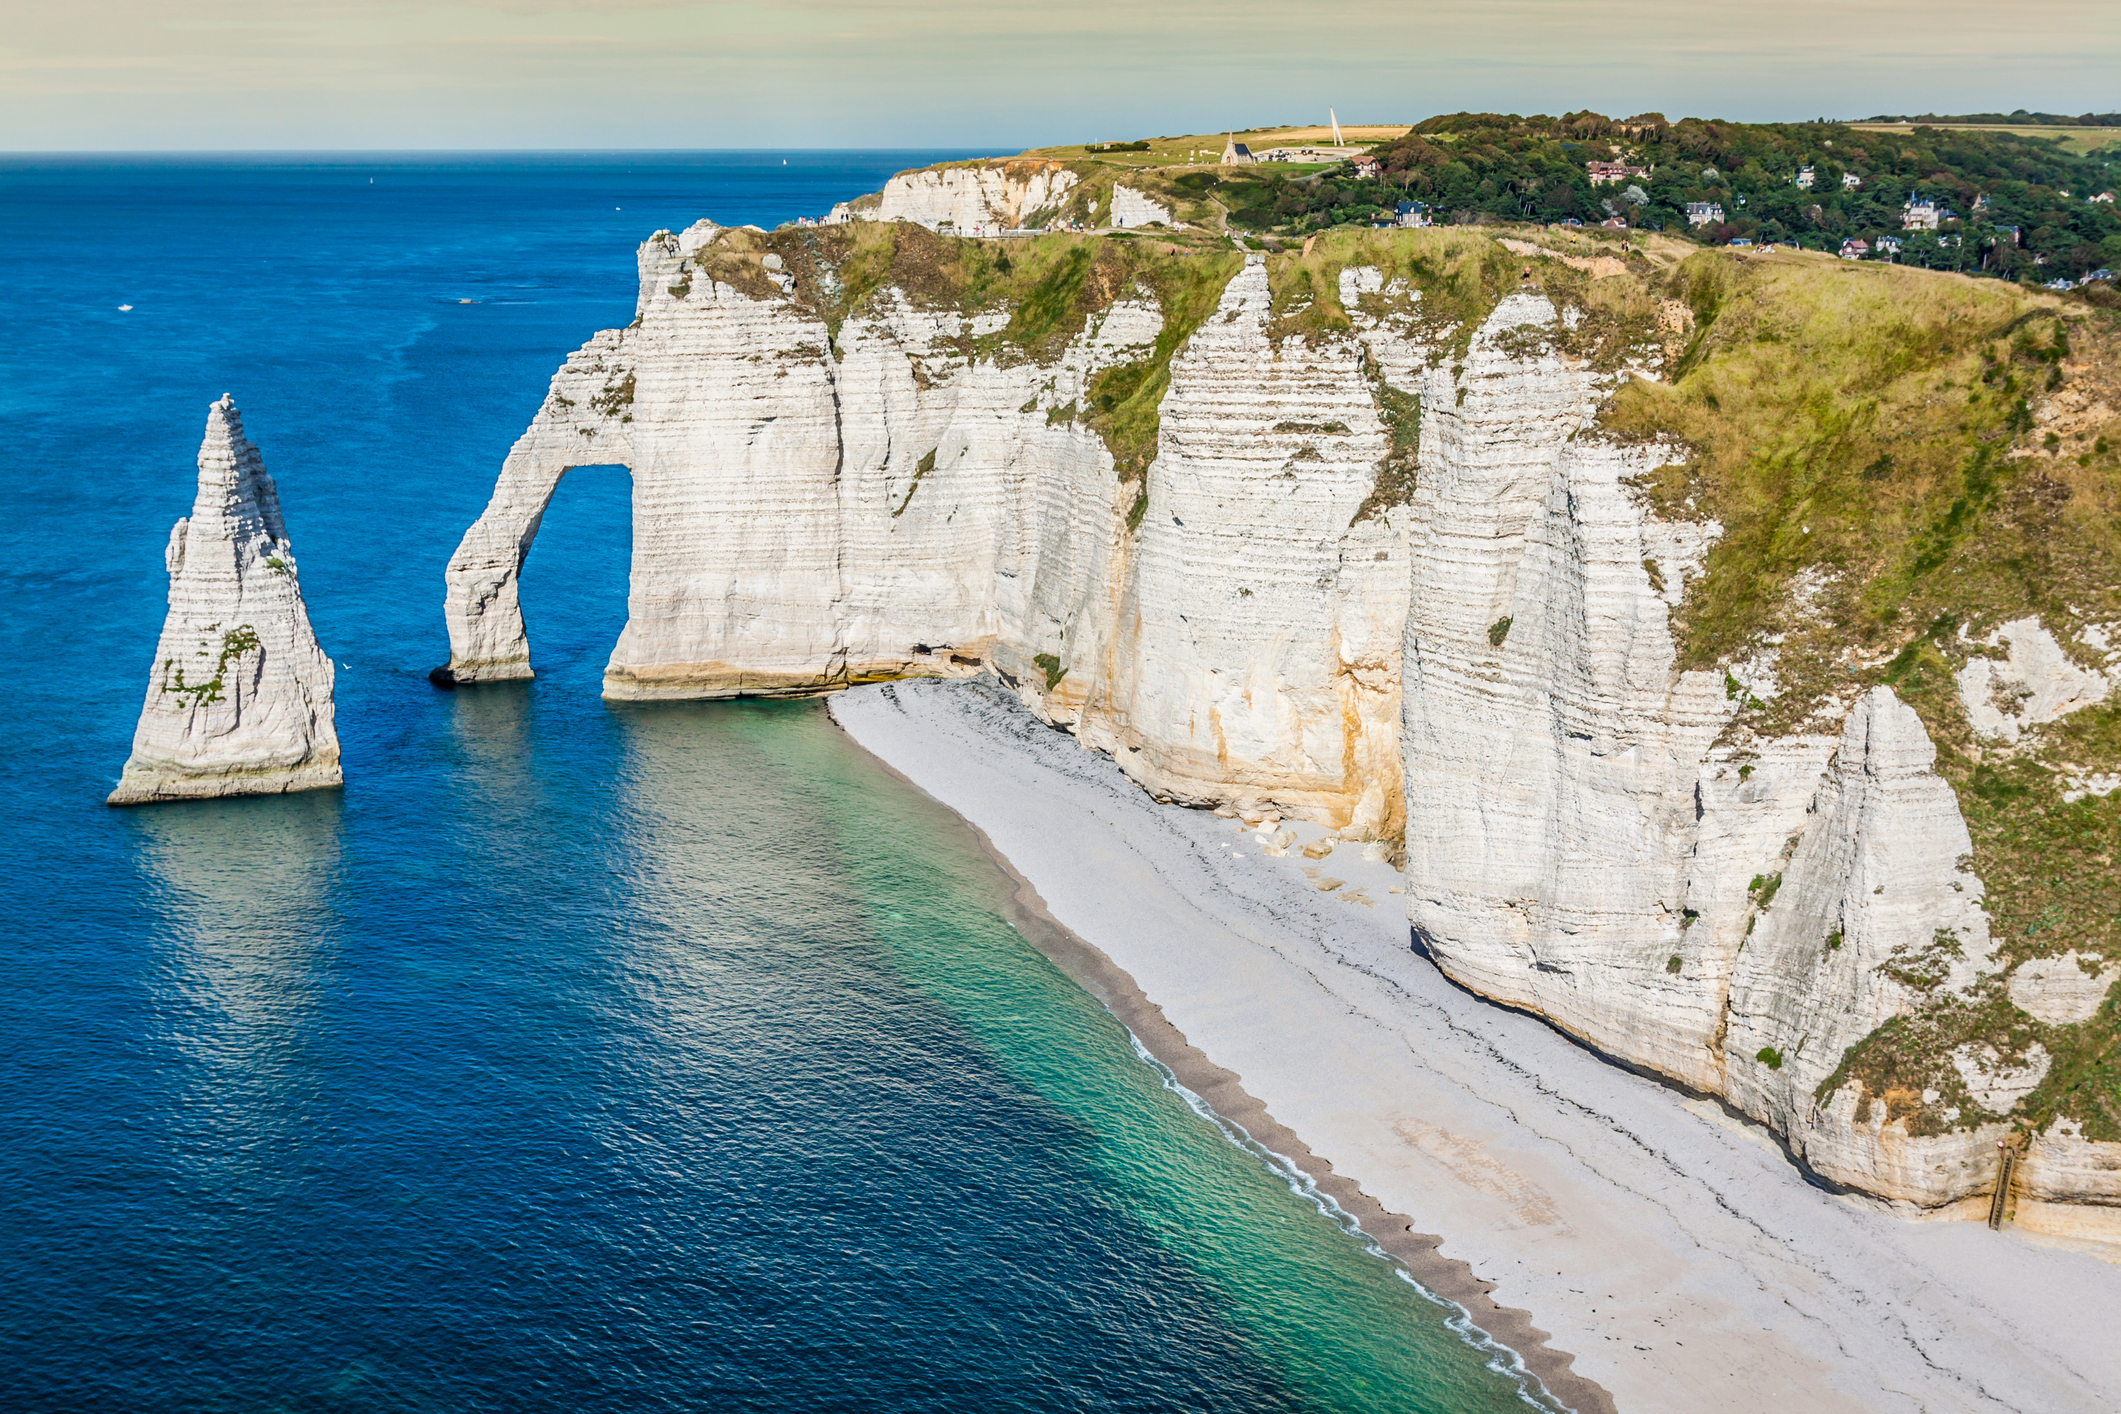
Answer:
(442, 151)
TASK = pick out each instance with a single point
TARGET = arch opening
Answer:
(575, 589)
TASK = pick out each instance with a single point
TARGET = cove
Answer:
(577, 1055)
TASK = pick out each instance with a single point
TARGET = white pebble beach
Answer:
(1641, 1248)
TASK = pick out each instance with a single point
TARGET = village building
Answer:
(1886, 245)
(1806, 176)
(1602, 172)
(1855, 248)
(1411, 213)
(1704, 213)
(1368, 167)
(1850, 181)
(1920, 214)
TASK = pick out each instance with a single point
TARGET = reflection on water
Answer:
(490, 732)
(843, 913)
(576, 1058)
(242, 890)
(637, 1056)
(489, 722)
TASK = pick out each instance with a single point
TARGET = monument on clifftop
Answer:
(239, 698)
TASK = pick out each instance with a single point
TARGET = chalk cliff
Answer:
(1134, 208)
(978, 196)
(239, 698)
(1449, 544)
(880, 504)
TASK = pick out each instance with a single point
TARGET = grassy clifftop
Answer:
(1901, 461)
(2022, 203)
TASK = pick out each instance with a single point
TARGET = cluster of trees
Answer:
(1469, 165)
(2021, 118)
(1270, 199)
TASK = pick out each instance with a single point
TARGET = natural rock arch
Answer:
(586, 420)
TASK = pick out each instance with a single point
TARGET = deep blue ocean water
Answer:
(576, 1056)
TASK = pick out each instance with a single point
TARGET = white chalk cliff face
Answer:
(1850, 940)
(1582, 843)
(1251, 655)
(805, 520)
(1487, 670)
(2033, 683)
(1133, 208)
(239, 698)
(1552, 753)
(977, 196)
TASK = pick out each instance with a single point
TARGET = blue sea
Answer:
(577, 1056)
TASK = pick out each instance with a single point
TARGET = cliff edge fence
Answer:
(1728, 641)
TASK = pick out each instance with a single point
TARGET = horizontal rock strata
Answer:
(1380, 569)
(814, 508)
(974, 197)
(1133, 208)
(239, 701)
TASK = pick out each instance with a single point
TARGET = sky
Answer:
(396, 74)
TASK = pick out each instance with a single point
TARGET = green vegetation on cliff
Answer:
(2016, 201)
(1051, 288)
(1899, 461)
(1902, 462)
(2036, 216)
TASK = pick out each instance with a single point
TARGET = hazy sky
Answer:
(138, 74)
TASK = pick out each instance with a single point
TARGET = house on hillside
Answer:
(1887, 245)
(2105, 196)
(1806, 176)
(1235, 153)
(1704, 213)
(1368, 167)
(1850, 181)
(1601, 172)
(1411, 213)
(1615, 223)
(1920, 214)
(1855, 248)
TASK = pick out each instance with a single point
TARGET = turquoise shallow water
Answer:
(576, 1056)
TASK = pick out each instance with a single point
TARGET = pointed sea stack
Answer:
(239, 700)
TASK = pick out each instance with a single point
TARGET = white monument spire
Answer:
(1334, 119)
